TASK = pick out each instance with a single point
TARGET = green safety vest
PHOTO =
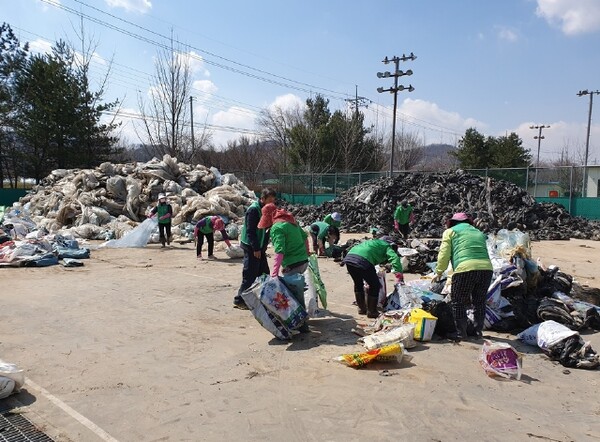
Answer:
(260, 233)
(162, 210)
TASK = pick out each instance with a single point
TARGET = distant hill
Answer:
(437, 157)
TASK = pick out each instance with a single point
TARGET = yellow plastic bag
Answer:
(389, 353)
(424, 324)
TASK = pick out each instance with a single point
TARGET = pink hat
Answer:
(268, 212)
(460, 216)
(217, 223)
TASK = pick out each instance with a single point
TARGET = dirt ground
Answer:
(143, 345)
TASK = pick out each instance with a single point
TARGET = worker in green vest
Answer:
(206, 228)
(322, 232)
(289, 243)
(465, 247)
(334, 219)
(254, 243)
(361, 261)
(164, 212)
(403, 216)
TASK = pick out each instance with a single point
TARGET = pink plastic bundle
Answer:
(500, 359)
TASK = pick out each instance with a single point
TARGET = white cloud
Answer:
(205, 86)
(141, 6)
(423, 112)
(45, 4)
(235, 117)
(572, 16)
(507, 34)
(286, 102)
(194, 61)
(40, 46)
(561, 135)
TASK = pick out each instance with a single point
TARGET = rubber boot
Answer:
(361, 302)
(478, 323)
(372, 307)
(461, 330)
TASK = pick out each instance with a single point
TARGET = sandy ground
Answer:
(143, 345)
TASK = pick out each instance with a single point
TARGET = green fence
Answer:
(584, 207)
(10, 196)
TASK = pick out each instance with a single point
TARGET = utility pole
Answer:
(358, 101)
(587, 140)
(538, 137)
(192, 120)
(394, 90)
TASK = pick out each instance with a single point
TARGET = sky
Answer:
(498, 66)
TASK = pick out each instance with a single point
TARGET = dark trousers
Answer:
(404, 229)
(360, 276)
(253, 268)
(470, 288)
(162, 230)
(210, 239)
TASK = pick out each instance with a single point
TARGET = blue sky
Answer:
(500, 66)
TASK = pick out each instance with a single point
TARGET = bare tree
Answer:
(166, 119)
(276, 124)
(409, 150)
(567, 170)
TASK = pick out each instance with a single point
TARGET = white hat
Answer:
(336, 216)
(161, 196)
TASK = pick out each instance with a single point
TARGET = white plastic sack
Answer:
(530, 335)
(11, 371)
(403, 297)
(7, 387)
(310, 294)
(235, 252)
(403, 334)
(551, 333)
(137, 237)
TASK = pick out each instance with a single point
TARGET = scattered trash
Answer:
(71, 262)
(500, 359)
(424, 324)
(389, 353)
(403, 334)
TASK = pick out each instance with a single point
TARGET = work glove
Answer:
(399, 278)
(436, 278)
(396, 225)
(277, 264)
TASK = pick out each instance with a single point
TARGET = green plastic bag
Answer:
(313, 266)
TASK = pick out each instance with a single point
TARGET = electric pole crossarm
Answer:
(394, 90)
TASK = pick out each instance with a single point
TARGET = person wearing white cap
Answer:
(465, 246)
(164, 211)
(334, 219)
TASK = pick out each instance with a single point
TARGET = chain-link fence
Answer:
(548, 182)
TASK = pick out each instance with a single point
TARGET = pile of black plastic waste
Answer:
(494, 203)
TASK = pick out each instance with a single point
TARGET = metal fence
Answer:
(550, 182)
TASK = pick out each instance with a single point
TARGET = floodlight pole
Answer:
(587, 140)
(394, 90)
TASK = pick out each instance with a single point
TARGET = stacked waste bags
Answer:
(110, 200)
(495, 204)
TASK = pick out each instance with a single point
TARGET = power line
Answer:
(312, 88)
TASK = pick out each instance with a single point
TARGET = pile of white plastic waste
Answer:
(110, 200)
